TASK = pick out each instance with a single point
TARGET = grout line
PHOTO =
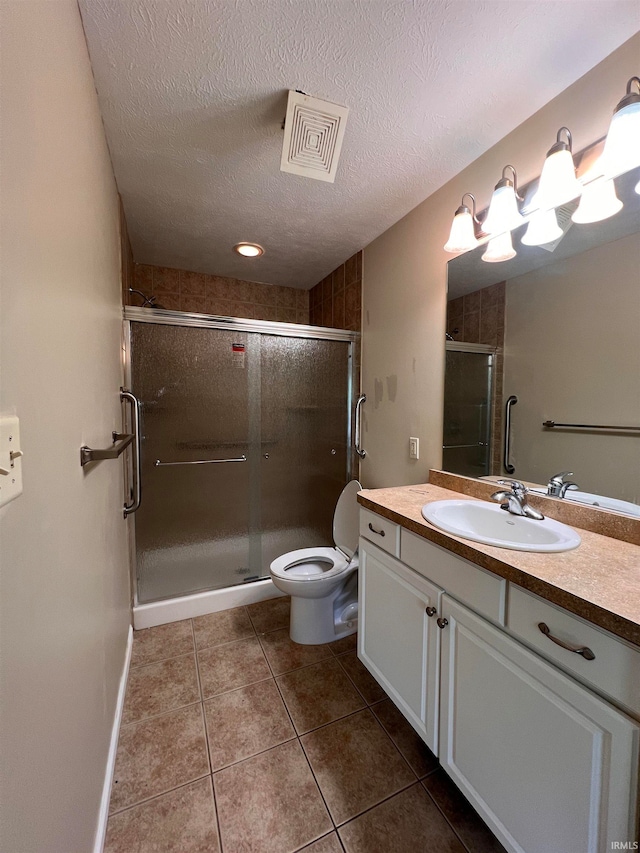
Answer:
(162, 713)
(400, 753)
(375, 805)
(446, 819)
(360, 693)
(225, 642)
(157, 795)
(326, 804)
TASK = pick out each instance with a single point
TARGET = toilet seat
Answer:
(307, 564)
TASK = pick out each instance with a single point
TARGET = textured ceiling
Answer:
(193, 94)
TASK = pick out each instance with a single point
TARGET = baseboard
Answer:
(103, 816)
(201, 603)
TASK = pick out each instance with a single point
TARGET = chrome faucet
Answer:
(557, 487)
(515, 500)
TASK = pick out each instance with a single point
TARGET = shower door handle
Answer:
(361, 453)
(508, 467)
(131, 507)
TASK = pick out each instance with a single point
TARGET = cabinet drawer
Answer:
(382, 532)
(615, 671)
(479, 589)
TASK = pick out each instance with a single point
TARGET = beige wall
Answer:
(64, 593)
(404, 286)
(572, 355)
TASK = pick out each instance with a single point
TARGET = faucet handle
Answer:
(518, 488)
(559, 478)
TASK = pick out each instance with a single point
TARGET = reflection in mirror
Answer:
(563, 322)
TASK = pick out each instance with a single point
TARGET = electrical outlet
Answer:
(414, 448)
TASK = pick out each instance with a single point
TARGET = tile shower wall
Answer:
(478, 318)
(184, 290)
(336, 300)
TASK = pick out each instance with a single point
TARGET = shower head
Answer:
(147, 301)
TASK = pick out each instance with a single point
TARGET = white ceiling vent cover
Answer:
(313, 134)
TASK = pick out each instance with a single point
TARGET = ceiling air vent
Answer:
(313, 134)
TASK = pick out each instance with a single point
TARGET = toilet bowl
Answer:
(323, 581)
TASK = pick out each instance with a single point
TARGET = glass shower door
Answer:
(193, 530)
(244, 452)
(467, 413)
(304, 413)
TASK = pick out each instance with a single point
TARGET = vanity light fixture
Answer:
(558, 181)
(248, 250)
(543, 228)
(463, 228)
(499, 249)
(599, 201)
(503, 211)
(622, 145)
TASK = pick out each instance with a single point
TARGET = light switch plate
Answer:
(10, 460)
(414, 448)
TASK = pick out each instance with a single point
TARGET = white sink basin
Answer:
(487, 523)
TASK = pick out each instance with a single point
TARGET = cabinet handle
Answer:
(373, 530)
(585, 651)
(431, 611)
(442, 622)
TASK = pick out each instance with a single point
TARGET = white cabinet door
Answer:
(549, 766)
(398, 639)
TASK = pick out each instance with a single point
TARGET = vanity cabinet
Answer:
(398, 638)
(548, 764)
(551, 766)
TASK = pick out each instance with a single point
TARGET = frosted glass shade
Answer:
(638, 187)
(599, 201)
(462, 236)
(622, 146)
(503, 212)
(558, 182)
(543, 228)
(499, 249)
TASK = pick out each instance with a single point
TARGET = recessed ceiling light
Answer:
(248, 250)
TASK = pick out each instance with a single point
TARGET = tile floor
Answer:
(236, 740)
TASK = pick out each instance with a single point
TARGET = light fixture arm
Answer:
(560, 145)
(464, 209)
(630, 97)
(508, 182)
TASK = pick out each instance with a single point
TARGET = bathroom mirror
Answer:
(563, 324)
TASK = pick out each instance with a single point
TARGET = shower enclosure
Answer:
(468, 396)
(245, 445)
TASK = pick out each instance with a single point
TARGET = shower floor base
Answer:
(201, 603)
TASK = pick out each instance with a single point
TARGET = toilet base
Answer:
(315, 621)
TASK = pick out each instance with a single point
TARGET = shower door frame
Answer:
(160, 316)
(491, 352)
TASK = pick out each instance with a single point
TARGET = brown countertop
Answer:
(599, 580)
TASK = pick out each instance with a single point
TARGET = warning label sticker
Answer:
(237, 355)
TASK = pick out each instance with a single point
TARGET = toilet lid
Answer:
(346, 526)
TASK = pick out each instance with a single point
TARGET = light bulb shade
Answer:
(499, 249)
(503, 212)
(543, 228)
(599, 201)
(558, 182)
(622, 146)
(462, 237)
(638, 187)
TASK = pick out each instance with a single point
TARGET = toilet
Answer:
(323, 581)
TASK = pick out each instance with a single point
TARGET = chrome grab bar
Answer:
(159, 464)
(508, 467)
(361, 453)
(130, 508)
(121, 441)
(552, 424)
